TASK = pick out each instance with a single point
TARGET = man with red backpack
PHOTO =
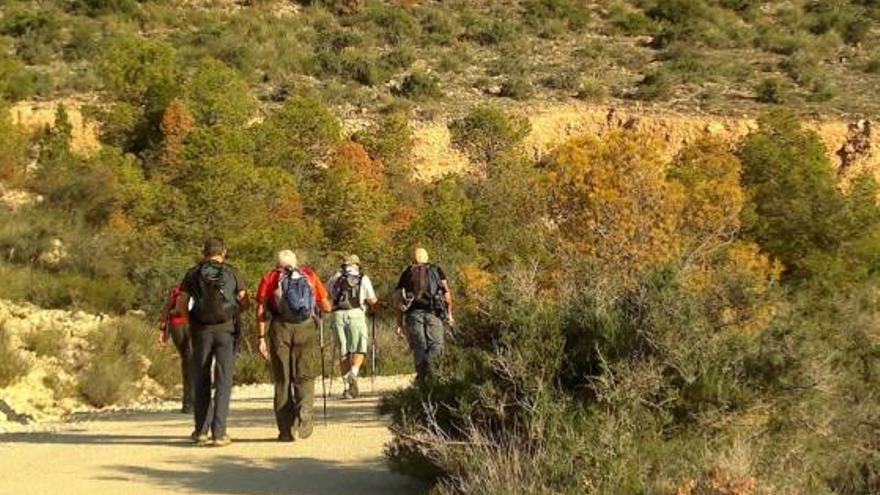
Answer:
(175, 327)
(294, 297)
(218, 294)
(425, 306)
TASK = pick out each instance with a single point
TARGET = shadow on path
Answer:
(296, 476)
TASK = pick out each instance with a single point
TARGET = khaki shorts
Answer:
(351, 330)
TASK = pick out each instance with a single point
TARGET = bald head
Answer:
(420, 255)
(286, 259)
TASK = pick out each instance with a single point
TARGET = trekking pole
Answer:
(323, 367)
(373, 357)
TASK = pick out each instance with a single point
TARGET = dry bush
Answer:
(46, 342)
(12, 364)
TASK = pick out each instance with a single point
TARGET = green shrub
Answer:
(217, 94)
(99, 7)
(872, 66)
(294, 136)
(567, 80)
(16, 81)
(362, 70)
(390, 141)
(678, 11)
(630, 21)
(770, 91)
(37, 32)
(487, 133)
(399, 58)
(592, 89)
(251, 368)
(12, 364)
(394, 24)
(518, 88)
(129, 66)
(657, 85)
(420, 86)
(439, 26)
(489, 30)
(539, 13)
(795, 210)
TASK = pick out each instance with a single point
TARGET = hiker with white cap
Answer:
(351, 291)
(425, 305)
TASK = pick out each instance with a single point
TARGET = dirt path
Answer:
(148, 453)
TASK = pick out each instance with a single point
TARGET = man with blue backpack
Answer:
(212, 295)
(425, 306)
(294, 298)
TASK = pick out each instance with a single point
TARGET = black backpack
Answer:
(347, 289)
(427, 289)
(214, 298)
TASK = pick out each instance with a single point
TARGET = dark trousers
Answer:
(294, 350)
(424, 331)
(216, 345)
(182, 341)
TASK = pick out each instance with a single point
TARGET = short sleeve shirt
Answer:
(367, 292)
(173, 318)
(405, 283)
(266, 290)
(190, 286)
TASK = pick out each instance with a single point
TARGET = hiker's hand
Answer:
(450, 321)
(399, 331)
(264, 348)
(163, 337)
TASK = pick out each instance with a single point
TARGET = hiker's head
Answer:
(214, 248)
(352, 260)
(286, 259)
(420, 255)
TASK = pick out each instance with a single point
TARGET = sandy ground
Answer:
(149, 453)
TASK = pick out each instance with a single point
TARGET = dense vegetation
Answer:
(706, 326)
(628, 324)
(715, 54)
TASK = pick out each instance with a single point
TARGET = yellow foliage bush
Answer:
(736, 285)
(612, 204)
(706, 178)
(474, 285)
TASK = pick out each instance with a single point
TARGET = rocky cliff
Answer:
(852, 144)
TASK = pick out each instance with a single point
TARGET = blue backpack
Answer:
(294, 297)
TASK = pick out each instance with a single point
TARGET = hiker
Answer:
(217, 293)
(175, 327)
(294, 297)
(351, 291)
(425, 304)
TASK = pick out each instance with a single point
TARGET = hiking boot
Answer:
(222, 441)
(285, 437)
(353, 387)
(305, 428)
(200, 439)
(186, 410)
(347, 394)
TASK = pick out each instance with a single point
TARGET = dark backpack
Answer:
(347, 289)
(427, 289)
(214, 299)
(294, 297)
